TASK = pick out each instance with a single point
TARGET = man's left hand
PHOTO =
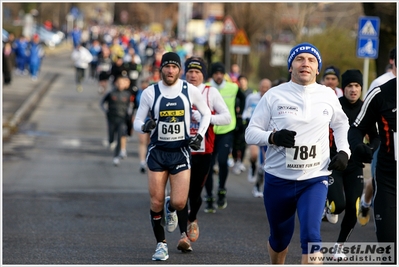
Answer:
(339, 162)
(195, 142)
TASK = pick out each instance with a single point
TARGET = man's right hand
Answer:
(362, 153)
(284, 137)
(148, 125)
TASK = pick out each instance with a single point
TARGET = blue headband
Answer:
(304, 48)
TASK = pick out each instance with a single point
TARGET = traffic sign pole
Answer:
(366, 64)
(229, 28)
(227, 52)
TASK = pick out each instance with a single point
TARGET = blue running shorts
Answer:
(172, 160)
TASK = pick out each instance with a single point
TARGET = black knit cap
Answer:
(352, 76)
(170, 58)
(196, 63)
(331, 70)
(218, 66)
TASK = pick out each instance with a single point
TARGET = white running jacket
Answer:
(309, 111)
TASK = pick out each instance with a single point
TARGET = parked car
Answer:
(49, 38)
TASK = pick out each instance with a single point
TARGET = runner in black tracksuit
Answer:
(380, 106)
(346, 187)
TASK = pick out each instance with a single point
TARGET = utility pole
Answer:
(185, 15)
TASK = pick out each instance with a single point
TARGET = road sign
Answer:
(367, 47)
(279, 54)
(240, 43)
(240, 38)
(369, 27)
(229, 26)
(367, 39)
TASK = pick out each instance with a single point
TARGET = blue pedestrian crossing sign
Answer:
(368, 37)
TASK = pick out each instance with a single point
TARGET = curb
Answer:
(28, 105)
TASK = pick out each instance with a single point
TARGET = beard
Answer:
(169, 80)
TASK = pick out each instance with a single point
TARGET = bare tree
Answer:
(387, 38)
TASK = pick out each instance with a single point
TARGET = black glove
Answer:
(195, 142)
(362, 153)
(339, 161)
(148, 125)
(284, 137)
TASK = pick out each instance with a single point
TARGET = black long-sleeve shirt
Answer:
(117, 104)
(351, 110)
(379, 107)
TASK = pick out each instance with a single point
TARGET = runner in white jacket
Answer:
(195, 70)
(81, 58)
(293, 119)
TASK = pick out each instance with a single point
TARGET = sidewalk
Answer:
(22, 95)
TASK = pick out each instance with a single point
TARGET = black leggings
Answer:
(200, 165)
(223, 144)
(239, 144)
(344, 192)
(385, 205)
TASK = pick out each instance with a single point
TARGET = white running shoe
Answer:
(123, 154)
(241, 166)
(161, 252)
(230, 162)
(116, 161)
(112, 146)
(143, 167)
(332, 218)
(339, 254)
(256, 192)
(236, 169)
(170, 217)
(251, 178)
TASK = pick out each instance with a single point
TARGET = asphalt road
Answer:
(65, 203)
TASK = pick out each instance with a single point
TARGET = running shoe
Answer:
(170, 217)
(251, 178)
(210, 208)
(230, 162)
(161, 252)
(123, 154)
(184, 244)
(193, 231)
(143, 167)
(116, 161)
(79, 88)
(236, 169)
(364, 215)
(338, 252)
(256, 192)
(332, 218)
(241, 166)
(222, 202)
